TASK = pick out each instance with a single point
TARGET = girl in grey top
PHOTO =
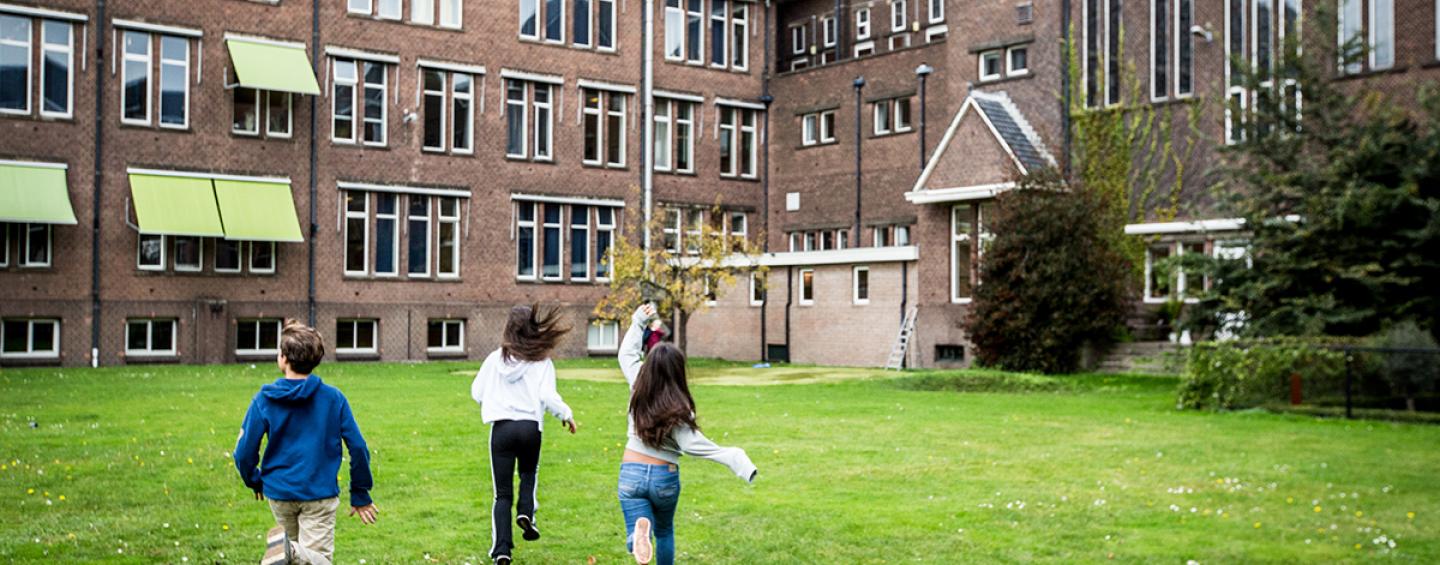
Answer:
(662, 427)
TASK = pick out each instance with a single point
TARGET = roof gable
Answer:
(988, 141)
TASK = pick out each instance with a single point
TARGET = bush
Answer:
(1053, 279)
(1233, 375)
(1408, 374)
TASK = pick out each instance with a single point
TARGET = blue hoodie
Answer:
(305, 421)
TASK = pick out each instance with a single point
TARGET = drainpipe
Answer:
(766, 98)
(789, 302)
(647, 143)
(98, 182)
(1065, 47)
(314, 226)
(839, 45)
(859, 104)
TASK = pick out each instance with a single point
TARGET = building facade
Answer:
(174, 181)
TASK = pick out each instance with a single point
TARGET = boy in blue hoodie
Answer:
(305, 420)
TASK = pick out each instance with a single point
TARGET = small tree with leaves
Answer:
(681, 283)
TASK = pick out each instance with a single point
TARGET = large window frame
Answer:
(30, 327)
(419, 220)
(807, 287)
(580, 244)
(63, 51)
(354, 345)
(170, 65)
(24, 27)
(860, 285)
(131, 62)
(447, 233)
(157, 242)
(527, 232)
(387, 229)
(151, 348)
(37, 237)
(602, 336)
(451, 334)
(357, 216)
(262, 332)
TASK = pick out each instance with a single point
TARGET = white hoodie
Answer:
(517, 390)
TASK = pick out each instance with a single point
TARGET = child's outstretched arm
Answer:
(695, 444)
(632, 348)
(247, 447)
(360, 479)
(550, 398)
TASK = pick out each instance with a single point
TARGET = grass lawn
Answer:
(133, 464)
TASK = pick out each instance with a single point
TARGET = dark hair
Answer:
(661, 400)
(302, 346)
(530, 335)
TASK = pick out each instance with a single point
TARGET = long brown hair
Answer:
(531, 334)
(661, 400)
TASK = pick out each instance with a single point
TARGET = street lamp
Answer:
(859, 103)
(922, 72)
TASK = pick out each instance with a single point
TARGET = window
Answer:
(580, 22)
(807, 287)
(605, 36)
(1160, 33)
(694, 224)
(36, 247)
(949, 353)
(550, 268)
(1157, 287)
(174, 81)
(15, 37)
(810, 129)
(534, 96)
(387, 9)
(880, 236)
(135, 76)
(693, 39)
(1092, 29)
(604, 237)
(189, 254)
(892, 116)
(357, 231)
(674, 30)
(579, 243)
(516, 102)
(57, 59)
(257, 337)
(897, 16)
(862, 23)
(757, 289)
(448, 96)
(1236, 98)
(423, 12)
(149, 337)
(529, 12)
(448, 263)
(227, 256)
(937, 11)
(827, 28)
(279, 119)
(262, 257)
(387, 234)
(861, 288)
(819, 127)
(418, 248)
(663, 141)
(1382, 34)
(605, 143)
(375, 106)
(881, 117)
(355, 336)
(797, 40)
(445, 336)
(247, 104)
(525, 250)
(740, 34)
(902, 236)
(739, 230)
(990, 65)
(434, 107)
(1161, 285)
(794, 241)
(150, 253)
(543, 122)
(359, 6)
(1185, 47)
(962, 252)
(671, 230)
(555, 21)
(373, 99)
(603, 335)
(718, 35)
(1017, 61)
(738, 124)
(1114, 33)
(23, 338)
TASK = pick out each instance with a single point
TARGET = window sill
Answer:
(816, 145)
(514, 159)
(29, 360)
(1004, 79)
(399, 278)
(1371, 73)
(357, 355)
(891, 134)
(150, 359)
(360, 146)
(401, 20)
(445, 354)
(154, 127)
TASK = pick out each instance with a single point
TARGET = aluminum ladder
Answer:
(902, 341)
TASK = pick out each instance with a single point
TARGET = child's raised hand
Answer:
(571, 425)
(366, 513)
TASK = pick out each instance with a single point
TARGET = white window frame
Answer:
(259, 112)
(1184, 36)
(250, 260)
(239, 256)
(469, 97)
(826, 129)
(902, 236)
(429, 220)
(1341, 38)
(699, 36)
(560, 228)
(810, 129)
(899, 19)
(257, 322)
(610, 229)
(937, 11)
(733, 128)
(1156, 56)
(68, 50)
(807, 298)
(855, 285)
(384, 88)
(878, 236)
(539, 22)
(724, 20)
(29, 46)
(827, 32)
(354, 7)
(622, 112)
(797, 39)
(881, 124)
(4, 245)
(149, 350)
(452, 14)
(30, 352)
(862, 24)
(549, 122)
(756, 285)
(664, 136)
(956, 240)
(544, 24)
(749, 128)
(992, 54)
(605, 6)
(289, 115)
(535, 236)
(1375, 37)
(426, 92)
(139, 240)
(422, 12)
(593, 112)
(740, 34)
(1149, 288)
(521, 104)
(363, 215)
(452, 220)
(675, 227)
(693, 224)
(447, 328)
(1009, 66)
(381, 14)
(674, 31)
(740, 233)
(394, 217)
(355, 333)
(589, 244)
(126, 57)
(896, 125)
(603, 345)
(199, 260)
(353, 84)
(160, 80)
(25, 261)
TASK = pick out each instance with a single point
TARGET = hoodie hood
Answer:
(292, 391)
(512, 371)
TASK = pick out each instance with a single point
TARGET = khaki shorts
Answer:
(310, 526)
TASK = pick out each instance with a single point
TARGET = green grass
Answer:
(855, 467)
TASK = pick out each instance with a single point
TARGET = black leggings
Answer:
(511, 442)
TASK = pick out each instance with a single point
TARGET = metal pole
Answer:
(647, 174)
(1348, 402)
(923, 72)
(859, 104)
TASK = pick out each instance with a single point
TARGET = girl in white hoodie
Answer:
(515, 387)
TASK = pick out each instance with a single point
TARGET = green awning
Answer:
(257, 211)
(34, 194)
(173, 205)
(272, 66)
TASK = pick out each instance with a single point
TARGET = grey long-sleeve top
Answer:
(683, 439)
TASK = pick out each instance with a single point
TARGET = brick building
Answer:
(176, 180)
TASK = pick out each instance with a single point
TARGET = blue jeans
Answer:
(651, 491)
